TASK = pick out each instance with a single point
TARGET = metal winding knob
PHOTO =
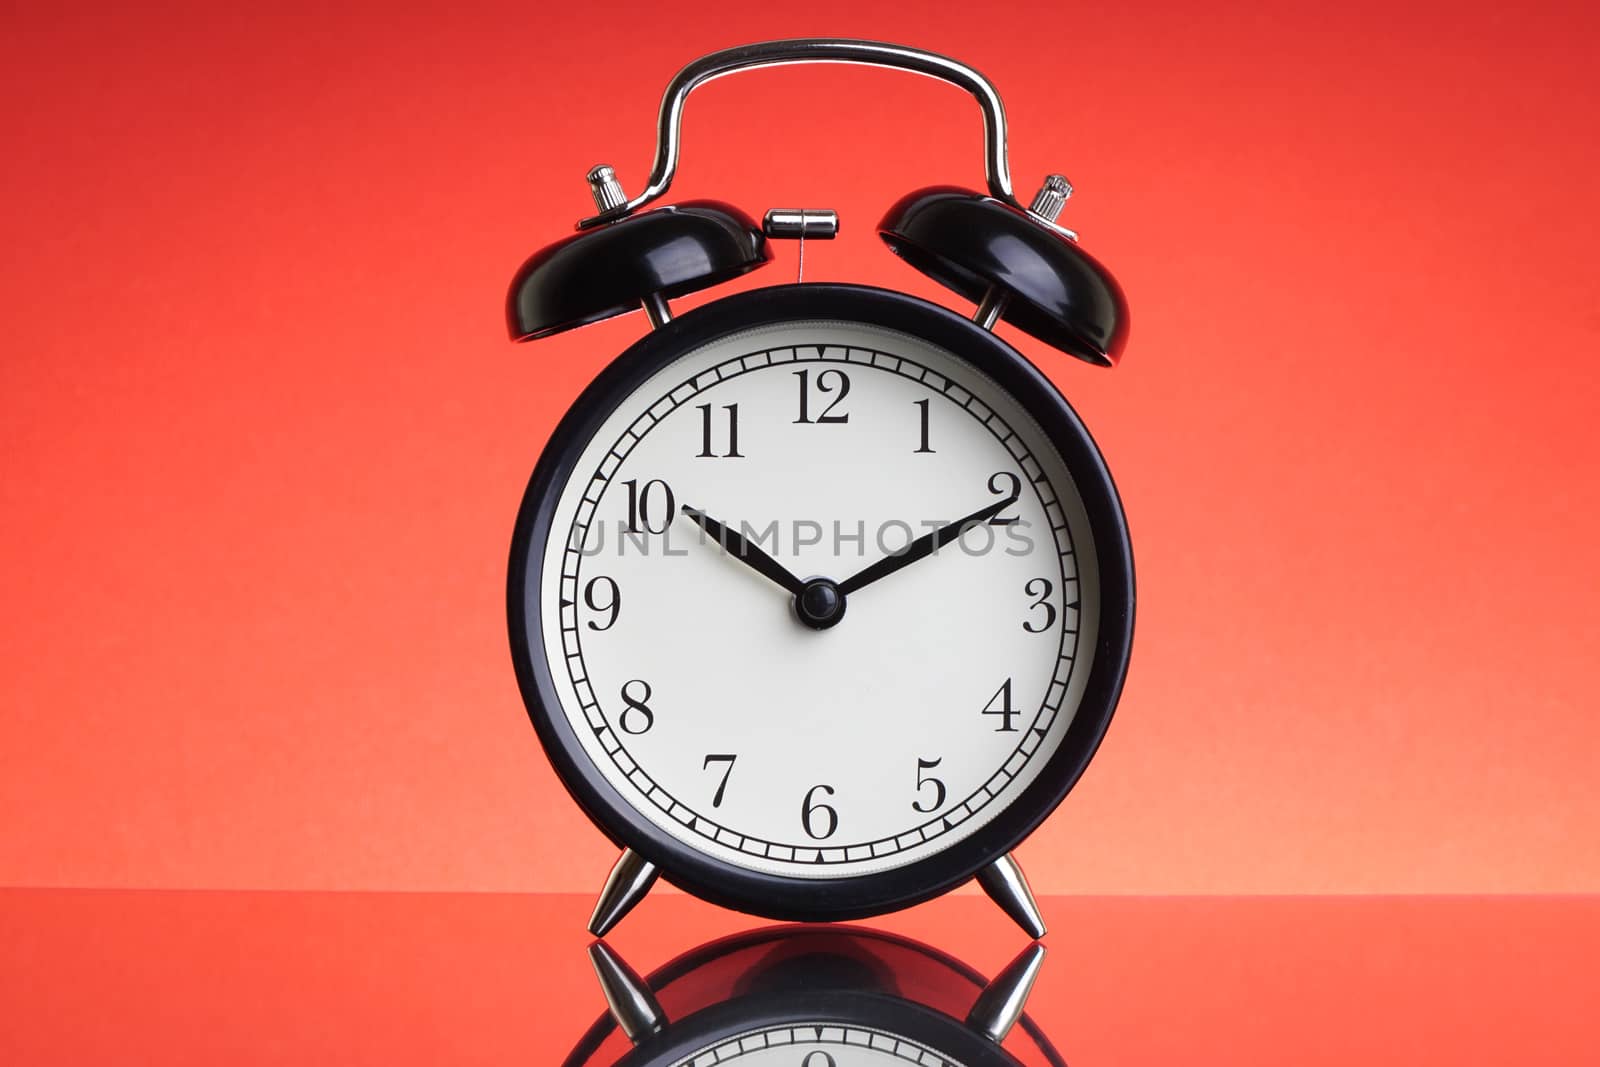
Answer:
(606, 190)
(1051, 198)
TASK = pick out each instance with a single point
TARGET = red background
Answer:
(263, 436)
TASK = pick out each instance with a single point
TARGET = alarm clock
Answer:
(815, 997)
(821, 595)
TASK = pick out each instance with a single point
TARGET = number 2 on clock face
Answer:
(940, 692)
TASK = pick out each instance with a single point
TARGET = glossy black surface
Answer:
(607, 271)
(814, 977)
(1058, 292)
(197, 978)
(743, 888)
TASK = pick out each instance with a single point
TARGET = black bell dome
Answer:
(971, 243)
(607, 271)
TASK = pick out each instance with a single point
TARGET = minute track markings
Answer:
(800, 1035)
(1011, 442)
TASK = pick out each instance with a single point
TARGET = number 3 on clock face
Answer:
(821, 599)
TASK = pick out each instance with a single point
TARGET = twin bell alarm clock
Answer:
(821, 596)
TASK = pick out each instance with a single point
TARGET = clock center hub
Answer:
(820, 603)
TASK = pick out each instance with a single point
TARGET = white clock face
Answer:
(819, 1045)
(689, 676)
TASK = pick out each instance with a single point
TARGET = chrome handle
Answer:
(997, 170)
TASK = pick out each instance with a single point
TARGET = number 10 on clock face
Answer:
(818, 600)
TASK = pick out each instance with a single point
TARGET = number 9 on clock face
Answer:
(820, 599)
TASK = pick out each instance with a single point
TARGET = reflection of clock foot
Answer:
(627, 996)
(1003, 880)
(629, 881)
(1000, 1004)
(815, 997)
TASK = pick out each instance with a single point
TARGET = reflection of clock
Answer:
(806, 998)
(821, 596)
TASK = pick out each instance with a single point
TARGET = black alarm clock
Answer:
(821, 595)
(815, 997)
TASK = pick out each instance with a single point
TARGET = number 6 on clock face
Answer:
(821, 599)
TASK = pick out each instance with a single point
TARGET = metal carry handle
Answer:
(608, 193)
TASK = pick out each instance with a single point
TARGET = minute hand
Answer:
(926, 545)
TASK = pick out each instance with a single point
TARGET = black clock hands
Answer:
(925, 545)
(745, 550)
(820, 602)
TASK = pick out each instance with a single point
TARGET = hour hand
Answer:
(744, 550)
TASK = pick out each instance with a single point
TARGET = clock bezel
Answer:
(855, 896)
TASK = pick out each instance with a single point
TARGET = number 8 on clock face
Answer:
(820, 599)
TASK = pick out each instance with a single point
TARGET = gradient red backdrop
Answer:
(263, 435)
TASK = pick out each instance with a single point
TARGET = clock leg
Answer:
(627, 997)
(656, 309)
(1000, 1005)
(1003, 880)
(630, 880)
(992, 307)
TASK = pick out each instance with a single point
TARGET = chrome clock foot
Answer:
(1006, 885)
(627, 884)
